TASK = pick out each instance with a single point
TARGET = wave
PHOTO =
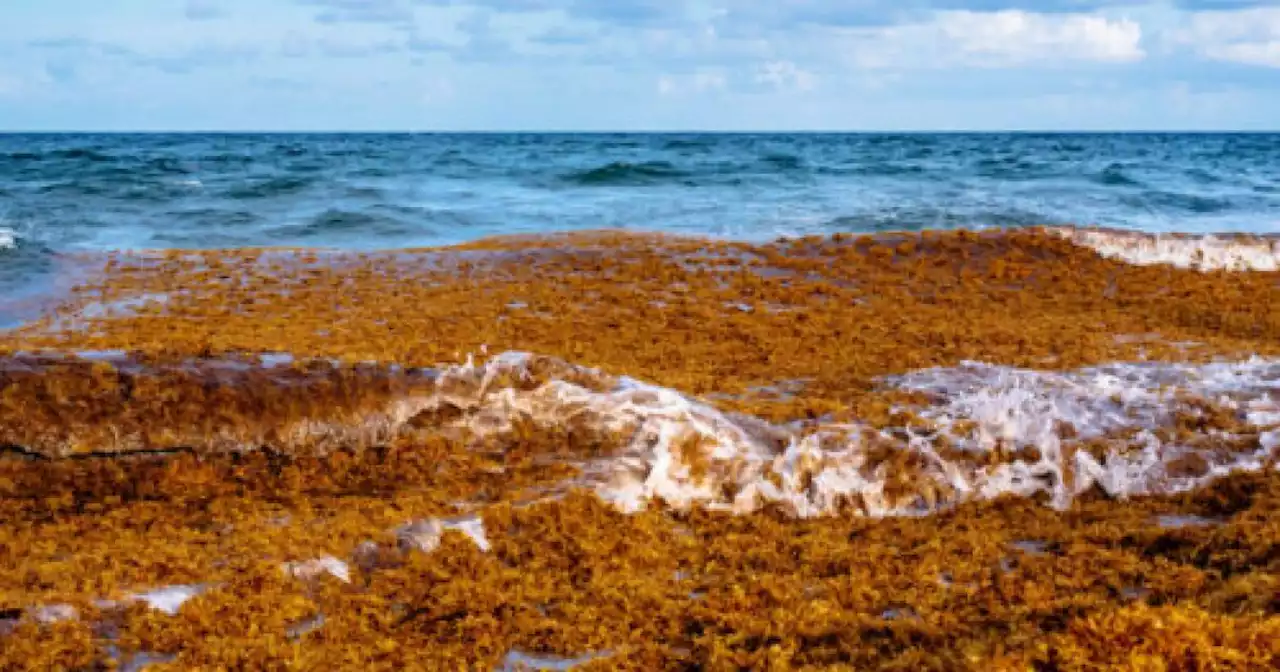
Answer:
(71, 186)
(1184, 202)
(1012, 168)
(291, 149)
(167, 165)
(80, 153)
(340, 220)
(784, 162)
(682, 144)
(21, 248)
(873, 169)
(935, 220)
(79, 187)
(454, 158)
(1202, 176)
(1208, 252)
(73, 154)
(337, 222)
(364, 192)
(223, 159)
(1115, 175)
(977, 431)
(270, 188)
(209, 216)
(26, 267)
(22, 155)
(621, 173)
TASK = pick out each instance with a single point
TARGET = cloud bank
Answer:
(640, 64)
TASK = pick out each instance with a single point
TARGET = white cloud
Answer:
(561, 65)
(703, 80)
(1015, 36)
(785, 75)
(1250, 36)
(1249, 53)
(1006, 38)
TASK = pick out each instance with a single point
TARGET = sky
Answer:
(645, 65)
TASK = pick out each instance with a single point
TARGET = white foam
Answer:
(1178, 521)
(520, 661)
(419, 535)
(986, 431)
(424, 535)
(1023, 408)
(274, 359)
(53, 613)
(169, 599)
(1200, 252)
(310, 570)
(684, 452)
(8, 238)
(472, 526)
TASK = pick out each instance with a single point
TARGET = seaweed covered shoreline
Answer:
(343, 507)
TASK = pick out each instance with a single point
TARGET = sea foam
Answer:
(1206, 252)
(1121, 428)
(970, 432)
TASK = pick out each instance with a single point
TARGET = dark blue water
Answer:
(101, 192)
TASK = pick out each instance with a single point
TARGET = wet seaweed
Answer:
(227, 500)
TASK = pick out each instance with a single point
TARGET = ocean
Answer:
(695, 401)
(65, 192)
(101, 192)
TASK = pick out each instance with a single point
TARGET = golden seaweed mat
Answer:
(170, 501)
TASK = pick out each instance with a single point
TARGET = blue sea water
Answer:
(72, 192)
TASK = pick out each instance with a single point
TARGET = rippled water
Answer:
(99, 192)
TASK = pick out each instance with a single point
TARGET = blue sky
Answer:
(638, 64)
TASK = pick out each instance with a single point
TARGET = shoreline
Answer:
(692, 470)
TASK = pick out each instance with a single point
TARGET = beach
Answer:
(1026, 448)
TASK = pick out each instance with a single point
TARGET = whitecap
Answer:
(1206, 252)
(985, 430)
(685, 452)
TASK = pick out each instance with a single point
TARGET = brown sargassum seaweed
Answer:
(184, 462)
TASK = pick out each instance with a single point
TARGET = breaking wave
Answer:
(1201, 252)
(972, 432)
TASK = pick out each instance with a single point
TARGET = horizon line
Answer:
(1224, 131)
